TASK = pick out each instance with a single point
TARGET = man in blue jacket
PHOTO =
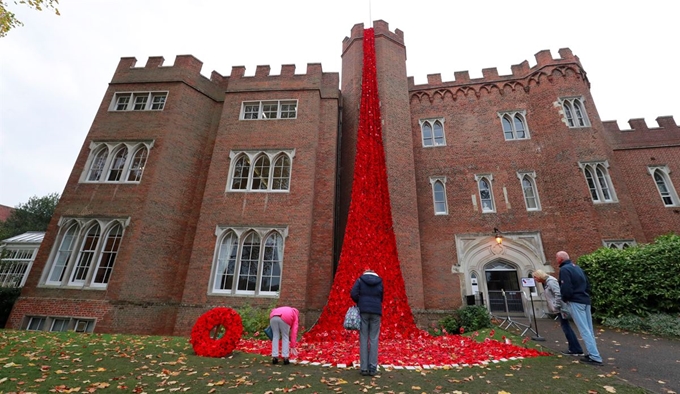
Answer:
(575, 290)
(367, 292)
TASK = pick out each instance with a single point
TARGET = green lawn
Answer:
(40, 362)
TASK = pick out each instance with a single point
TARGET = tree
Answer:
(9, 21)
(34, 215)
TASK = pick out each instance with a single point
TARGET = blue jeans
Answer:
(584, 323)
(574, 346)
(368, 341)
(280, 330)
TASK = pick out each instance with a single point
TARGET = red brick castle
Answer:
(191, 193)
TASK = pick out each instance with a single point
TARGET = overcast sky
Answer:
(54, 71)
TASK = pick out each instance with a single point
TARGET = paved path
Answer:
(643, 360)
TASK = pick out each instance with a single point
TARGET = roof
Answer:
(30, 237)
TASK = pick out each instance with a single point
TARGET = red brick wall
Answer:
(307, 210)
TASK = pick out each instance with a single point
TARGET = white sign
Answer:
(528, 282)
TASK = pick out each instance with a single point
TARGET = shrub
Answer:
(657, 324)
(470, 318)
(640, 280)
(254, 320)
(8, 295)
(474, 317)
(450, 323)
(664, 325)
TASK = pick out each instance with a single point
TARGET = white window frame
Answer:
(618, 243)
(530, 176)
(130, 101)
(67, 260)
(269, 109)
(574, 113)
(513, 131)
(250, 179)
(64, 324)
(83, 325)
(597, 177)
(434, 181)
(221, 262)
(669, 198)
(103, 160)
(432, 140)
(488, 178)
(15, 265)
(39, 320)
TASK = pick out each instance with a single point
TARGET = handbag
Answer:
(268, 331)
(352, 319)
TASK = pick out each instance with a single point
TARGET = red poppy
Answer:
(369, 237)
(216, 332)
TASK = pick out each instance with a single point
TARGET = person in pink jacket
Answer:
(284, 323)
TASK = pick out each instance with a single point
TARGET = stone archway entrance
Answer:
(488, 269)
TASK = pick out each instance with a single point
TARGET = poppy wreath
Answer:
(206, 346)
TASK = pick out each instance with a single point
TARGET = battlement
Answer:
(263, 80)
(522, 75)
(187, 69)
(380, 28)
(640, 135)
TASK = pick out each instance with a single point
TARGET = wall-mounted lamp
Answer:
(498, 236)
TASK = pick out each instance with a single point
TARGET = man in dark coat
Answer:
(367, 292)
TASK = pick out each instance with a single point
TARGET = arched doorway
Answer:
(502, 283)
(489, 268)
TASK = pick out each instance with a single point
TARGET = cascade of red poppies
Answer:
(369, 240)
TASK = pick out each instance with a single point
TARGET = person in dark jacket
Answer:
(367, 292)
(575, 291)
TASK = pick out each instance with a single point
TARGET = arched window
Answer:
(92, 265)
(97, 164)
(261, 173)
(514, 125)
(239, 180)
(438, 133)
(270, 171)
(63, 255)
(568, 113)
(439, 195)
(86, 254)
(117, 164)
(250, 256)
(485, 193)
(427, 134)
(115, 159)
(432, 131)
(108, 255)
(574, 112)
(271, 264)
(281, 178)
(255, 267)
(226, 262)
(578, 110)
(664, 185)
(136, 168)
(598, 181)
(529, 190)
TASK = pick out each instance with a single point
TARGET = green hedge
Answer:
(639, 280)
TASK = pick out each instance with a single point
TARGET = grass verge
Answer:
(42, 362)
